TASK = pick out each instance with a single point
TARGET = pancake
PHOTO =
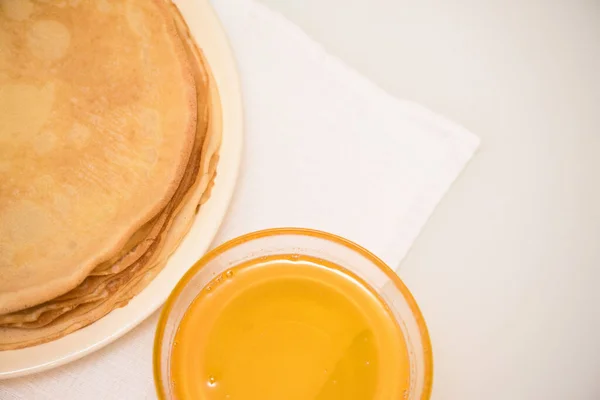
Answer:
(99, 294)
(93, 288)
(96, 129)
(152, 261)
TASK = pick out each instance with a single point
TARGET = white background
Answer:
(507, 271)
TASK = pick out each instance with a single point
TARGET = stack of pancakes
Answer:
(109, 138)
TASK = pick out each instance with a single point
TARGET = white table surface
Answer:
(507, 269)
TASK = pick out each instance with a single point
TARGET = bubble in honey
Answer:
(229, 274)
(212, 381)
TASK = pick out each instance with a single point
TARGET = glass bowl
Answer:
(286, 241)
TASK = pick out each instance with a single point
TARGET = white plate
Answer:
(210, 36)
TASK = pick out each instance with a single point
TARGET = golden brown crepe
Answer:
(96, 128)
(93, 288)
(142, 254)
(131, 281)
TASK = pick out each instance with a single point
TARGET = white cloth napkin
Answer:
(325, 149)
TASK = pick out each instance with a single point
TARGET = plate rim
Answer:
(203, 21)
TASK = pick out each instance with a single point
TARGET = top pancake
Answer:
(97, 120)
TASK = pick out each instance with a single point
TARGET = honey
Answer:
(289, 328)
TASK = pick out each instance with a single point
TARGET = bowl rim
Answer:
(212, 254)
